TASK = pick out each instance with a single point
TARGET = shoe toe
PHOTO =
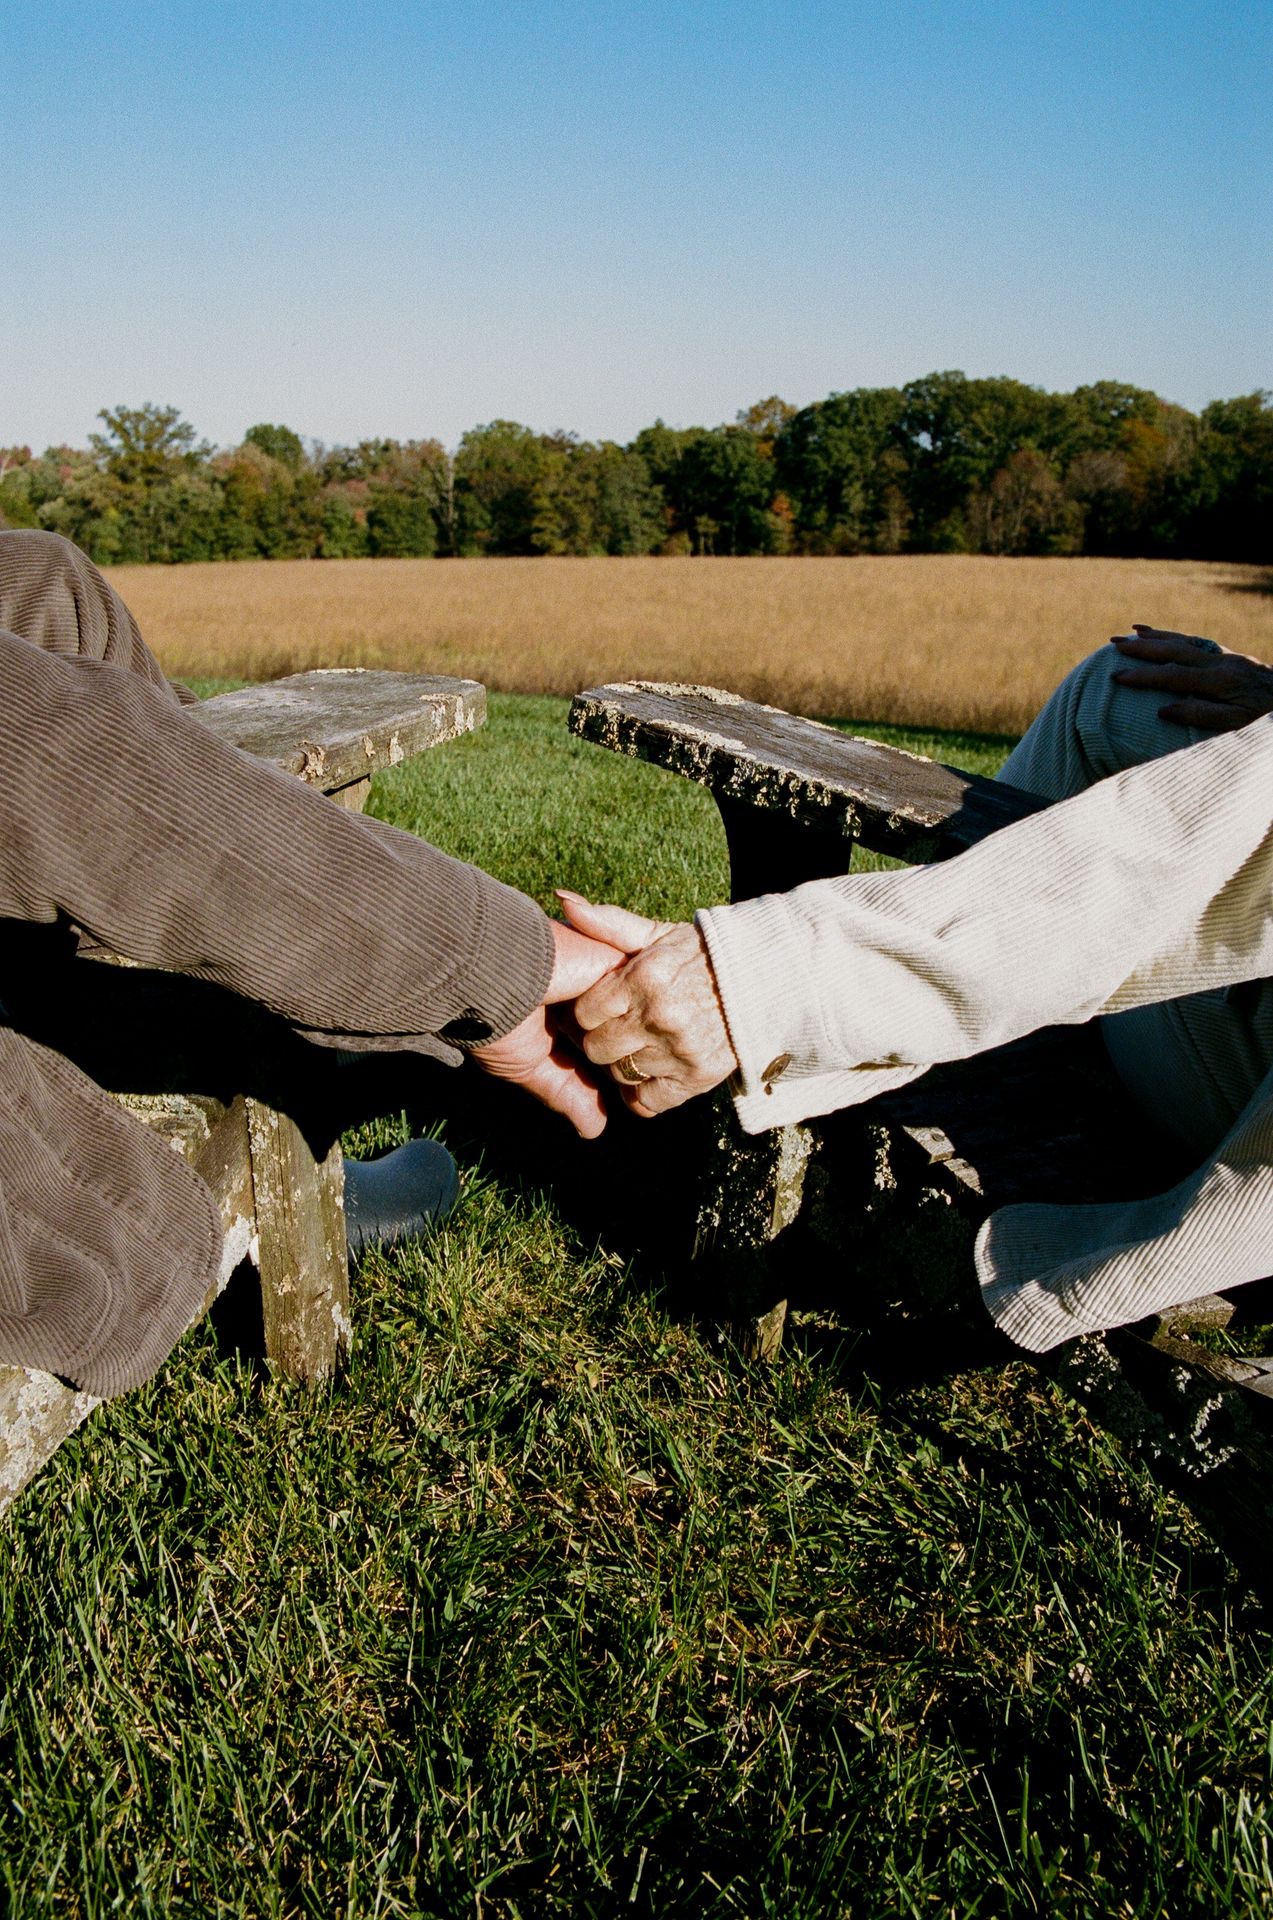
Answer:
(399, 1196)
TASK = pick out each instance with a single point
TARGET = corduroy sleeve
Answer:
(124, 814)
(1154, 883)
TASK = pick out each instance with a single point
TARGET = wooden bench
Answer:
(893, 1193)
(280, 1207)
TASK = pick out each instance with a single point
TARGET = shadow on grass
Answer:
(1262, 585)
(952, 746)
(886, 1305)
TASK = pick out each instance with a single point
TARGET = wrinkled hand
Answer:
(1217, 691)
(662, 1009)
(537, 1057)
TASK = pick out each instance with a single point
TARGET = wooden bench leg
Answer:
(751, 1189)
(753, 1184)
(352, 797)
(279, 1206)
(37, 1413)
(1201, 1422)
(304, 1262)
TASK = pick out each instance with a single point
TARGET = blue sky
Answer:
(408, 218)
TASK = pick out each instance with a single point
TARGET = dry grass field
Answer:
(930, 640)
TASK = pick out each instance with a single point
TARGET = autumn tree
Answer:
(280, 443)
(596, 498)
(945, 463)
(766, 420)
(1024, 509)
(1233, 514)
(16, 506)
(839, 464)
(956, 434)
(144, 445)
(717, 483)
(498, 471)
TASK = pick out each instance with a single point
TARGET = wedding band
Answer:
(627, 1069)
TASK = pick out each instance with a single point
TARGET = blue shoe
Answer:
(398, 1197)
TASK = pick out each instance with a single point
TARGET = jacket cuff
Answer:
(758, 957)
(796, 1097)
(514, 953)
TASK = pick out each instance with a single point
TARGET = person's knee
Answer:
(1118, 726)
(1090, 727)
(54, 596)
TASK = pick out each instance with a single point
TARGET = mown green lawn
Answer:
(554, 1606)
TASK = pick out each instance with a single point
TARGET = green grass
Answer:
(551, 1606)
(531, 804)
(541, 809)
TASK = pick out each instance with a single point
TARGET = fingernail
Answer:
(567, 893)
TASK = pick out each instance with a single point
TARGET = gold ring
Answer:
(627, 1069)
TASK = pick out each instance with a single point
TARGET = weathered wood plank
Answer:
(37, 1413)
(1201, 1422)
(353, 797)
(303, 1253)
(337, 725)
(799, 771)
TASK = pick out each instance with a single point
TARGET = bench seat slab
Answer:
(337, 725)
(799, 772)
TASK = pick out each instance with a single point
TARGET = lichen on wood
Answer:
(894, 801)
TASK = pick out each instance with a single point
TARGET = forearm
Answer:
(1154, 883)
(124, 814)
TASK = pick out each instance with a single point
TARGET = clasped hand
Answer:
(538, 1055)
(657, 1020)
(643, 993)
(646, 1009)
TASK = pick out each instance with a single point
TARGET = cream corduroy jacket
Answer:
(1155, 883)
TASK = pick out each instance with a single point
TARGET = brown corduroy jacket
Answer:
(124, 817)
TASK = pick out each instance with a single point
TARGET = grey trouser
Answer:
(1194, 1063)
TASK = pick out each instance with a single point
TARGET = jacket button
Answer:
(774, 1069)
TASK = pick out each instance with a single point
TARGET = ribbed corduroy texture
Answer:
(124, 815)
(1154, 883)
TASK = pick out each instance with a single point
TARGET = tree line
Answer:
(945, 464)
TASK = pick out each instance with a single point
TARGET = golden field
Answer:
(932, 640)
